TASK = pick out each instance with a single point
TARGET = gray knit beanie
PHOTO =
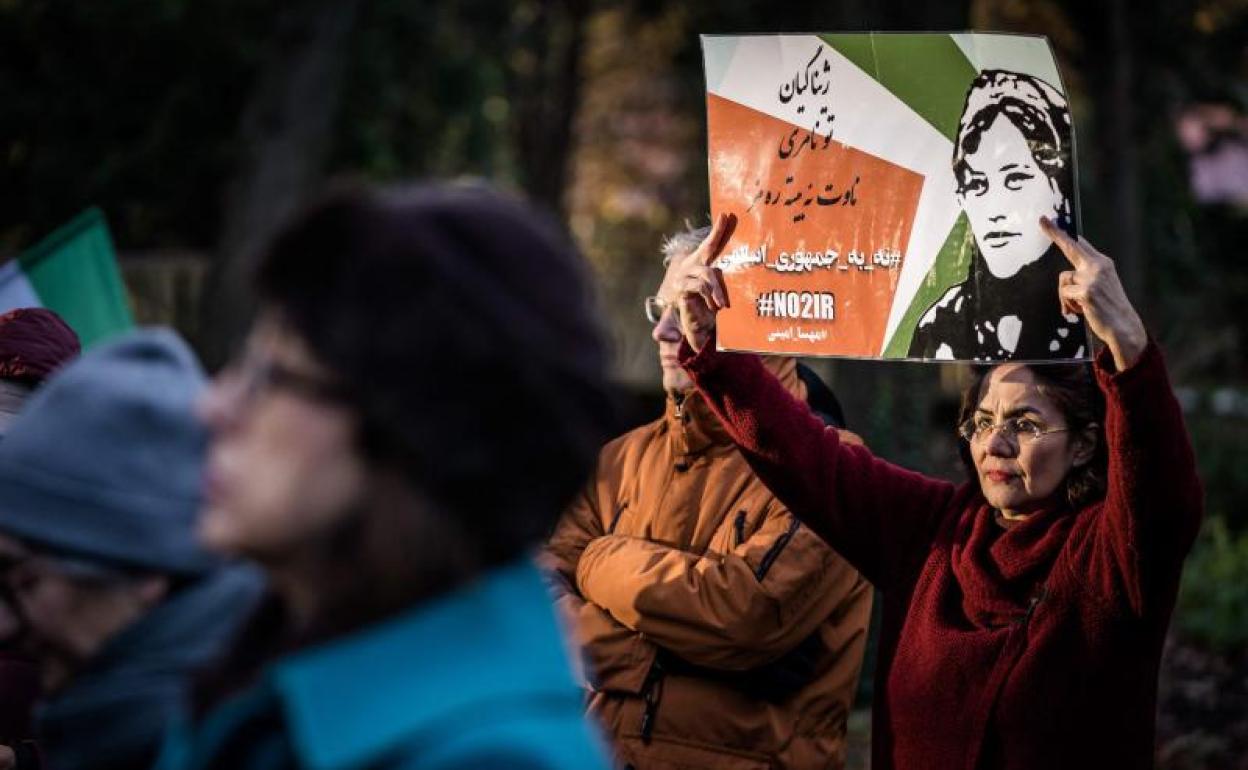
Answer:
(104, 461)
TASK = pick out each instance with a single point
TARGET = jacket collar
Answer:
(353, 699)
(694, 428)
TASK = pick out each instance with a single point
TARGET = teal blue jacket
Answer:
(472, 680)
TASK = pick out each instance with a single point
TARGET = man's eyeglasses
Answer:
(655, 308)
(1016, 429)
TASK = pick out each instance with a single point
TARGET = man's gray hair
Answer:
(680, 243)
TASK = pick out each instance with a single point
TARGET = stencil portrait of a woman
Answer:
(1013, 163)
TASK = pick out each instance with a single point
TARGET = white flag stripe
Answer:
(15, 288)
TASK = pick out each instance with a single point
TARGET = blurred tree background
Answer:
(198, 126)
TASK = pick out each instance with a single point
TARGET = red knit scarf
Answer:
(1001, 571)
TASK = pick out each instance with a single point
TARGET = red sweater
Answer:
(1032, 647)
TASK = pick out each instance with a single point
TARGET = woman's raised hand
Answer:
(1094, 291)
(700, 288)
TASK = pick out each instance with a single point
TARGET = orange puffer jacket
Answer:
(715, 630)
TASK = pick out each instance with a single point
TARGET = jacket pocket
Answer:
(776, 549)
(667, 754)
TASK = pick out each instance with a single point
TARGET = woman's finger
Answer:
(1090, 249)
(1073, 250)
(699, 277)
(696, 286)
(714, 278)
(1076, 289)
(1064, 279)
(695, 316)
(714, 243)
(1074, 298)
(717, 276)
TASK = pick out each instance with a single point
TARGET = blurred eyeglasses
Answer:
(1016, 429)
(255, 375)
(655, 308)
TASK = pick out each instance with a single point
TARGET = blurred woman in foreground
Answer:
(421, 396)
(1024, 610)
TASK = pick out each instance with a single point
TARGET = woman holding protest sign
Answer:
(1024, 610)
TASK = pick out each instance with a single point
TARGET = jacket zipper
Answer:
(652, 690)
(679, 411)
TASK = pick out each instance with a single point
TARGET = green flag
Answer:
(74, 273)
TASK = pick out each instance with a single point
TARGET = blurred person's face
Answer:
(61, 617)
(666, 333)
(283, 467)
(1004, 194)
(1021, 471)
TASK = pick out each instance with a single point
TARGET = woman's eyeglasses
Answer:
(1016, 429)
(254, 376)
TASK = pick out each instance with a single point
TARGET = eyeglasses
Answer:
(1016, 429)
(254, 375)
(655, 308)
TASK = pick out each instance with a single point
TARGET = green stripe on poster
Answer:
(935, 89)
(953, 263)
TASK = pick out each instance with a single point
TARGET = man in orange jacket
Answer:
(715, 630)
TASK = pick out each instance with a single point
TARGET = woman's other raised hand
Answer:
(1094, 290)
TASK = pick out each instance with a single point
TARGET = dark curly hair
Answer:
(1072, 389)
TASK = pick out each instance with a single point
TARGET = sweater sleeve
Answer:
(1153, 499)
(880, 517)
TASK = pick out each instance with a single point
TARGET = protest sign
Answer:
(888, 190)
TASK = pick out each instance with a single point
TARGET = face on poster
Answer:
(888, 190)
